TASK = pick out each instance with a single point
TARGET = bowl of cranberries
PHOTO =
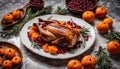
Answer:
(37, 4)
(79, 6)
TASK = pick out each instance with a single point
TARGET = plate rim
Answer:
(57, 57)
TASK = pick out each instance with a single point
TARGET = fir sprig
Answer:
(84, 31)
(103, 60)
(61, 11)
(83, 40)
(35, 45)
(14, 31)
(113, 36)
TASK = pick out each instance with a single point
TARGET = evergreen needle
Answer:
(103, 60)
(113, 36)
(61, 11)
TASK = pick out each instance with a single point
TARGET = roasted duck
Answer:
(57, 33)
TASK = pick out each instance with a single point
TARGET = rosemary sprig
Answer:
(61, 11)
(83, 40)
(7, 33)
(84, 33)
(113, 36)
(35, 45)
(49, 18)
(31, 15)
(103, 60)
(14, 31)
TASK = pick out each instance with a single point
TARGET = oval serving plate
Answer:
(25, 40)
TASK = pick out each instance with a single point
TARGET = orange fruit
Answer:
(88, 16)
(45, 48)
(9, 52)
(101, 12)
(31, 32)
(102, 27)
(16, 60)
(109, 21)
(113, 47)
(33, 28)
(74, 64)
(88, 62)
(8, 18)
(1, 60)
(1, 51)
(7, 64)
(35, 36)
(16, 14)
(53, 49)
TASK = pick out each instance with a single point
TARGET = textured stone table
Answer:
(33, 61)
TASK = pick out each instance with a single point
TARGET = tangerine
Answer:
(16, 60)
(113, 47)
(8, 18)
(7, 64)
(88, 16)
(16, 14)
(1, 51)
(74, 64)
(88, 62)
(109, 21)
(1, 60)
(53, 49)
(101, 12)
(9, 52)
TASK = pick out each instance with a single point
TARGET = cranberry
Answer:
(81, 4)
(70, 23)
(62, 50)
(86, 38)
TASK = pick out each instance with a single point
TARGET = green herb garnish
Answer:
(103, 60)
(35, 45)
(113, 36)
(49, 18)
(61, 11)
(83, 40)
(84, 31)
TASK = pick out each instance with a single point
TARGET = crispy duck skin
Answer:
(45, 34)
(48, 21)
(58, 34)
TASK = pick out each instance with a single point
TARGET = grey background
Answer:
(33, 61)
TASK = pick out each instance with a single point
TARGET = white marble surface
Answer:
(33, 61)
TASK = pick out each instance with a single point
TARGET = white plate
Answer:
(79, 51)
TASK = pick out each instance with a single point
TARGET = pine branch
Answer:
(113, 36)
(103, 60)
(61, 11)
(84, 31)
(35, 45)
